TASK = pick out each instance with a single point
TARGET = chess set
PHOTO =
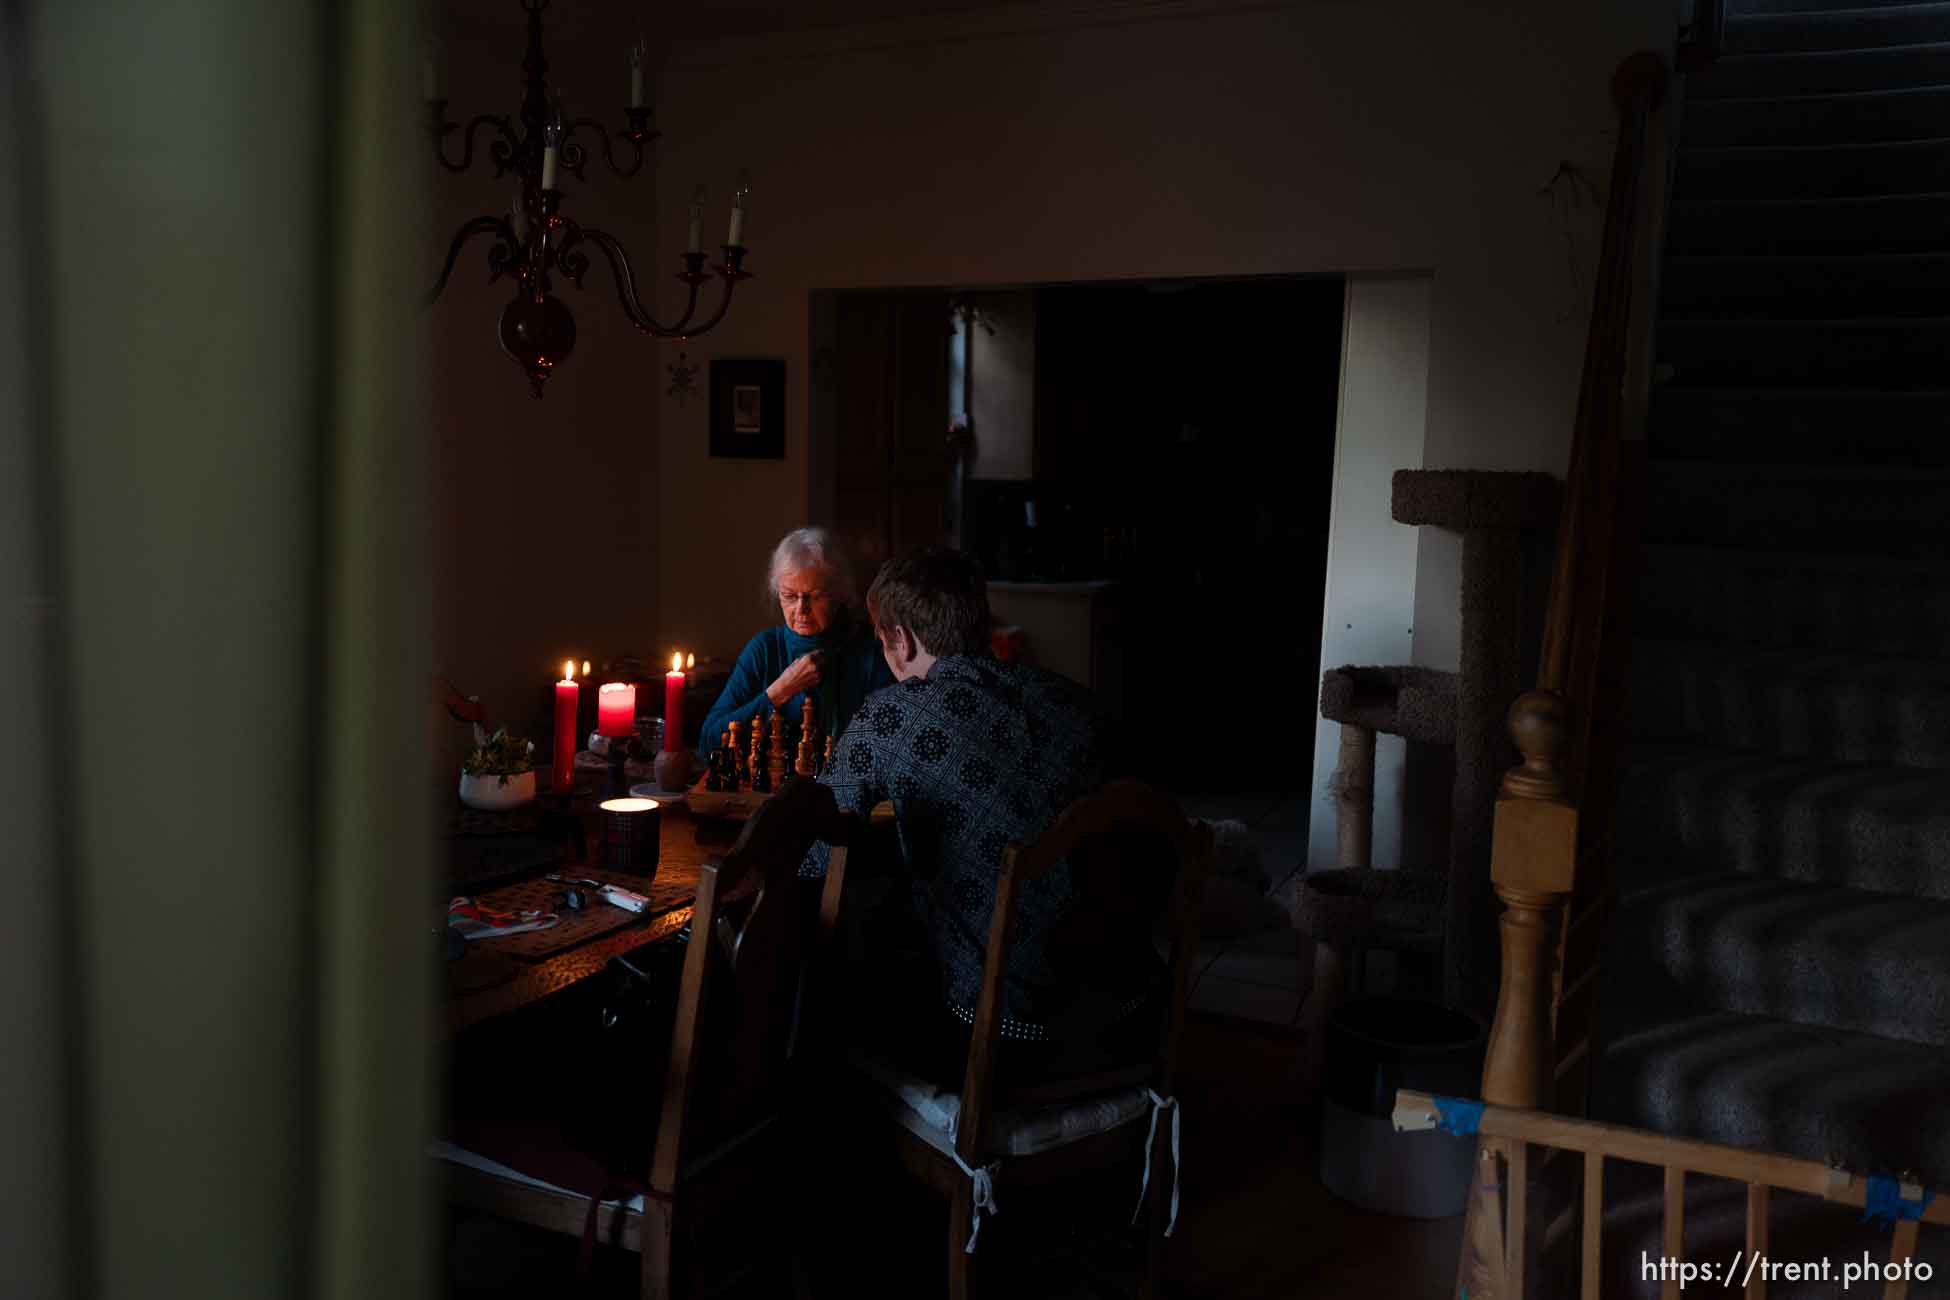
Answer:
(753, 759)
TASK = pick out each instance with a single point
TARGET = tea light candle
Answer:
(630, 834)
(616, 709)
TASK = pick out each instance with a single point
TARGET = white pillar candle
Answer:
(739, 198)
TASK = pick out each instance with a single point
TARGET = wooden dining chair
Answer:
(1129, 846)
(723, 1130)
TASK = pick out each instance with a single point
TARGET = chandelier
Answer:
(534, 242)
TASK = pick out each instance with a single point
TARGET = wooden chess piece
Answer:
(714, 772)
(737, 773)
(760, 776)
(775, 764)
(805, 763)
(827, 762)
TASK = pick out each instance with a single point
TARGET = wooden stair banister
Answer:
(1542, 828)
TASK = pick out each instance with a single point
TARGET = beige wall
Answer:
(1106, 141)
(545, 511)
(1371, 559)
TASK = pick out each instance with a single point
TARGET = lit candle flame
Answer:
(568, 670)
(585, 668)
(677, 663)
(690, 662)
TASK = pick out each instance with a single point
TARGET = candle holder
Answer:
(673, 768)
(631, 831)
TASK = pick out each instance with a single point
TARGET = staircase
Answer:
(1778, 968)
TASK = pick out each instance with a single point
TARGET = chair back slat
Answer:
(737, 1007)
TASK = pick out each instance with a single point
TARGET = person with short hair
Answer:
(976, 754)
(822, 651)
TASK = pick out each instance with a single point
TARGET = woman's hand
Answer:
(801, 674)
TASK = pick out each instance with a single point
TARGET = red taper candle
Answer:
(674, 705)
(567, 695)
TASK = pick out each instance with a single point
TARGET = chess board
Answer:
(724, 805)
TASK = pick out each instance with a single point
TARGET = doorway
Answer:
(1146, 475)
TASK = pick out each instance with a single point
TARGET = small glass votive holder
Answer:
(631, 828)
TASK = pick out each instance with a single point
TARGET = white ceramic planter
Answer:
(496, 794)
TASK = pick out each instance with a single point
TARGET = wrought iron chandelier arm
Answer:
(504, 252)
(575, 157)
(619, 265)
(502, 150)
(731, 275)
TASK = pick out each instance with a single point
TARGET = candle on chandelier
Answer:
(549, 155)
(674, 705)
(636, 74)
(696, 244)
(740, 198)
(616, 709)
(567, 697)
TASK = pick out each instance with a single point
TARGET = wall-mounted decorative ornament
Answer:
(683, 379)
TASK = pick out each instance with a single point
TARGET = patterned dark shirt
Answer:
(974, 756)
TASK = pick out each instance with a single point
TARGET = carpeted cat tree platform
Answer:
(1450, 910)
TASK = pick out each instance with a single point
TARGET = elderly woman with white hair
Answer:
(824, 650)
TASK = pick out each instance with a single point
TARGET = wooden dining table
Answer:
(503, 974)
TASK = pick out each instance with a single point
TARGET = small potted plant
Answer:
(499, 772)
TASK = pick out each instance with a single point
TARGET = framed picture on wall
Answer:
(748, 409)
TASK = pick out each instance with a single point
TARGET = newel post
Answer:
(1534, 846)
(1533, 856)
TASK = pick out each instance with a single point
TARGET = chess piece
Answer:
(827, 761)
(775, 764)
(804, 764)
(735, 774)
(761, 777)
(714, 772)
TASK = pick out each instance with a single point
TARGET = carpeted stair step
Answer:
(1873, 1104)
(1848, 427)
(1815, 171)
(1886, 353)
(1756, 598)
(1854, 117)
(1844, 958)
(1684, 810)
(1838, 29)
(1831, 509)
(1830, 704)
(1822, 72)
(1802, 1229)
(1722, 286)
(1887, 224)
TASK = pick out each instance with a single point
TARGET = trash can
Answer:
(1375, 1046)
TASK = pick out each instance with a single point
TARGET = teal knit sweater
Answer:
(851, 669)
